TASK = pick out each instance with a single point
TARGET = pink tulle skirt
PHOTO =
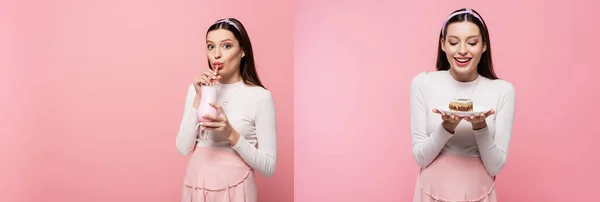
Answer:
(218, 175)
(452, 178)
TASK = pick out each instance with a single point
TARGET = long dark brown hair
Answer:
(247, 64)
(484, 67)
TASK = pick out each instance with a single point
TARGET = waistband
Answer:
(216, 145)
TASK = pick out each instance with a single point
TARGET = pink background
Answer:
(112, 68)
(353, 65)
(95, 90)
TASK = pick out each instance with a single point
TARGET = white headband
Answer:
(226, 20)
(467, 11)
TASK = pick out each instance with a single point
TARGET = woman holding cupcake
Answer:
(460, 155)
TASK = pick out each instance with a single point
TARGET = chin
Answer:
(464, 70)
(223, 72)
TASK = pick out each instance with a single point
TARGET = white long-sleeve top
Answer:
(431, 90)
(251, 112)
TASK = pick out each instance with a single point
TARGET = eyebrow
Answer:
(472, 36)
(209, 41)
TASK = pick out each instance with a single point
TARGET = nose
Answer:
(217, 53)
(462, 49)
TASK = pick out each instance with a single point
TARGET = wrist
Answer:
(233, 137)
(480, 125)
(449, 126)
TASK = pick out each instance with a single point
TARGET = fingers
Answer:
(448, 117)
(474, 119)
(220, 111)
(489, 113)
(452, 118)
(210, 74)
(455, 119)
(207, 77)
(217, 123)
(211, 117)
(213, 122)
(480, 118)
(202, 79)
(217, 107)
(212, 125)
(469, 118)
(220, 117)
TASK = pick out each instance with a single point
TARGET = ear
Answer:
(243, 54)
(484, 47)
(442, 44)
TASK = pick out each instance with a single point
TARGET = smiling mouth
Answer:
(463, 60)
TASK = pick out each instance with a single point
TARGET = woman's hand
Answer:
(220, 123)
(478, 122)
(449, 121)
(204, 79)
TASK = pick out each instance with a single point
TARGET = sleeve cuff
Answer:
(483, 137)
(481, 132)
(442, 134)
(241, 141)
